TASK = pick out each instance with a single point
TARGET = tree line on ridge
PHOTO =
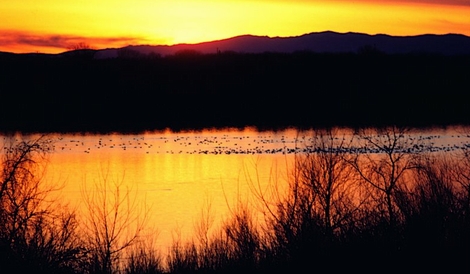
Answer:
(136, 92)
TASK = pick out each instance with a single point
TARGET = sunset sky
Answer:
(53, 26)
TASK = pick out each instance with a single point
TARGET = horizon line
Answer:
(229, 38)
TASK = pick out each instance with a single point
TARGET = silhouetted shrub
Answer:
(35, 234)
(336, 209)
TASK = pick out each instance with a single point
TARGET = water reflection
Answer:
(175, 174)
(178, 174)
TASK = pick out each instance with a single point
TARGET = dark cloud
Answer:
(449, 2)
(18, 39)
(437, 2)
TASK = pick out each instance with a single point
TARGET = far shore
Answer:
(190, 90)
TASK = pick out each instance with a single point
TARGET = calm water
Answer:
(182, 176)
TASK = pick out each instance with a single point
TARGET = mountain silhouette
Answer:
(321, 42)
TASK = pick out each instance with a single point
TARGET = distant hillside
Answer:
(321, 42)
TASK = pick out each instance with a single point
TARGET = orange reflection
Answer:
(175, 185)
(178, 176)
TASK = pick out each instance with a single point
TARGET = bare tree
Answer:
(385, 157)
(320, 202)
(114, 222)
(34, 231)
(327, 180)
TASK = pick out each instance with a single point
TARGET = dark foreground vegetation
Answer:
(135, 92)
(391, 209)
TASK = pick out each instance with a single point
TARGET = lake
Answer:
(180, 177)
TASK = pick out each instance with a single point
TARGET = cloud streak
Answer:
(433, 2)
(20, 42)
(440, 2)
(378, 2)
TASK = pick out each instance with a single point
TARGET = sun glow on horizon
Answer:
(53, 26)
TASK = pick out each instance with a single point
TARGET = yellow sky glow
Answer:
(54, 25)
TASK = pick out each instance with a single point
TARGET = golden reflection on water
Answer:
(178, 176)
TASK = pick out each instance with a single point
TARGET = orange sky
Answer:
(53, 26)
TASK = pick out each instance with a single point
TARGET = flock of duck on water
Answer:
(254, 144)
